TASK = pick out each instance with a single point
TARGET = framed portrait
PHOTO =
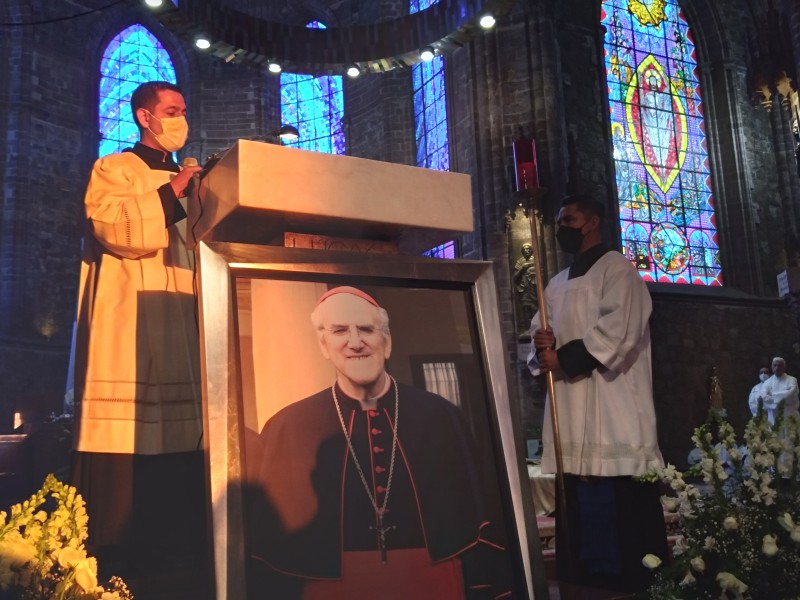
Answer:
(439, 483)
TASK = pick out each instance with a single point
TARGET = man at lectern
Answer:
(369, 488)
(138, 434)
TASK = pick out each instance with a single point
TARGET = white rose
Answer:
(730, 523)
(728, 581)
(795, 535)
(688, 579)
(698, 564)
(785, 520)
(769, 547)
(669, 503)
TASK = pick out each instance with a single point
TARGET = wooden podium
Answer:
(257, 192)
(238, 215)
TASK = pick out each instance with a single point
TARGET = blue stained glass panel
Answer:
(134, 56)
(446, 250)
(430, 119)
(315, 105)
(430, 107)
(666, 203)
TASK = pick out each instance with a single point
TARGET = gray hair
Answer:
(780, 360)
(383, 320)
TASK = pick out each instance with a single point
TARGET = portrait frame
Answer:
(222, 266)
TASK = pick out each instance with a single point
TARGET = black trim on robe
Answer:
(159, 160)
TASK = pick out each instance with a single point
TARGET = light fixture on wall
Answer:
(273, 67)
(353, 71)
(286, 133)
(487, 21)
(202, 43)
(427, 53)
(154, 3)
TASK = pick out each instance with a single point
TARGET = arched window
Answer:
(430, 107)
(664, 190)
(315, 105)
(132, 57)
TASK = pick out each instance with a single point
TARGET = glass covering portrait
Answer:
(666, 204)
(315, 106)
(134, 56)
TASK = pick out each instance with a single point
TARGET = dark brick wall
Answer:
(692, 334)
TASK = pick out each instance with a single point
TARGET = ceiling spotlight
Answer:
(353, 70)
(154, 3)
(487, 21)
(274, 67)
(202, 43)
(427, 53)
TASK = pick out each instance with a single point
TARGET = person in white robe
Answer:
(781, 387)
(598, 349)
(756, 394)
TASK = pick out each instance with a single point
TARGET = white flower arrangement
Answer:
(42, 556)
(738, 510)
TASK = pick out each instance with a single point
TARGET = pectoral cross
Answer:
(381, 530)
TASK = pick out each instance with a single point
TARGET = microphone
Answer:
(189, 161)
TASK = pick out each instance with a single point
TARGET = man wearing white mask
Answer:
(781, 387)
(756, 394)
(138, 427)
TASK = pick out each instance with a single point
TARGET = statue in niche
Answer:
(525, 287)
(714, 390)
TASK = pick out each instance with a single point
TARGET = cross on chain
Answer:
(382, 531)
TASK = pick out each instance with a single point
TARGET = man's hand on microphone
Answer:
(181, 180)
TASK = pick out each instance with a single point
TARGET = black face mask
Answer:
(569, 239)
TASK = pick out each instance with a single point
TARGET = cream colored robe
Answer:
(138, 355)
(607, 420)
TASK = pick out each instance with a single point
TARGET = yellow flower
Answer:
(16, 552)
(70, 557)
(14, 555)
(651, 561)
(86, 574)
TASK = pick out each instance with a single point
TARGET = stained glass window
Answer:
(664, 190)
(315, 105)
(430, 107)
(446, 250)
(134, 56)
